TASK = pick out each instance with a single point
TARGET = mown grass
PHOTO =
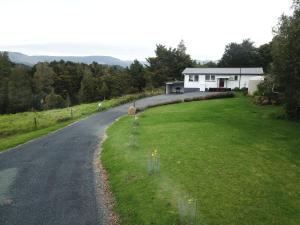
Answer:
(233, 158)
(18, 128)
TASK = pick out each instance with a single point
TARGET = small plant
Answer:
(100, 106)
(244, 90)
(135, 122)
(188, 211)
(71, 113)
(153, 162)
(135, 126)
(134, 132)
(132, 141)
(236, 89)
(35, 122)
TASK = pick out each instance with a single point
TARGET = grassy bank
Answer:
(18, 128)
(224, 161)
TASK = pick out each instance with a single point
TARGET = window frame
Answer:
(196, 78)
(207, 76)
(191, 78)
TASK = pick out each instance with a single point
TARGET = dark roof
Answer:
(175, 82)
(244, 71)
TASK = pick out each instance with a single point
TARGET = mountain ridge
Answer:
(21, 58)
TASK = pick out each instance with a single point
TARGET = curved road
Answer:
(51, 180)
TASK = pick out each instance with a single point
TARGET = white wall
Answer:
(202, 84)
(210, 84)
(253, 86)
(232, 83)
(195, 84)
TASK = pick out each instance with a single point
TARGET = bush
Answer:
(244, 90)
(265, 94)
(265, 88)
(53, 101)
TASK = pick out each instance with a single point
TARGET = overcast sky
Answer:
(130, 29)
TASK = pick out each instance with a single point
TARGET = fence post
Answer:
(71, 112)
(35, 122)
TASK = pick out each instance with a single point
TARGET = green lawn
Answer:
(18, 128)
(230, 161)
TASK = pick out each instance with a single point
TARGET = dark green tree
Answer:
(19, 90)
(87, 92)
(286, 58)
(104, 91)
(53, 101)
(207, 64)
(266, 56)
(43, 80)
(5, 68)
(168, 64)
(181, 47)
(137, 72)
(241, 55)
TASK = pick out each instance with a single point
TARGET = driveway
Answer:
(52, 181)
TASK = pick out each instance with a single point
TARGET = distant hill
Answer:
(17, 57)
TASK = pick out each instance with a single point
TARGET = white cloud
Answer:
(130, 29)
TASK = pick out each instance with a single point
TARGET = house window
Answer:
(196, 78)
(235, 77)
(210, 77)
(191, 78)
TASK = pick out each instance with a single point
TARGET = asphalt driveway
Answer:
(51, 180)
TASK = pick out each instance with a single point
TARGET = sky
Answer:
(130, 29)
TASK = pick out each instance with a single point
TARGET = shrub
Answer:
(53, 101)
(244, 90)
(265, 92)
(265, 88)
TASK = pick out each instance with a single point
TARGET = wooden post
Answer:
(35, 123)
(71, 112)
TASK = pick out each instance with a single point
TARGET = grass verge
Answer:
(223, 161)
(19, 128)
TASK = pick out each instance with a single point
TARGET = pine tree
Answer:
(137, 72)
(19, 90)
(104, 91)
(43, 79)
(168, 64)
(181, 47)
(5, 68)
(88, 87)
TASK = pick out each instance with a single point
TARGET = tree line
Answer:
(61, 84)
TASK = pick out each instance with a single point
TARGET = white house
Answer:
(205, 79)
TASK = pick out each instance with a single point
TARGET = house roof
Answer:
(243, 71)
(175, 82)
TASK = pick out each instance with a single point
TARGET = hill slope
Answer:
(17, 57)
